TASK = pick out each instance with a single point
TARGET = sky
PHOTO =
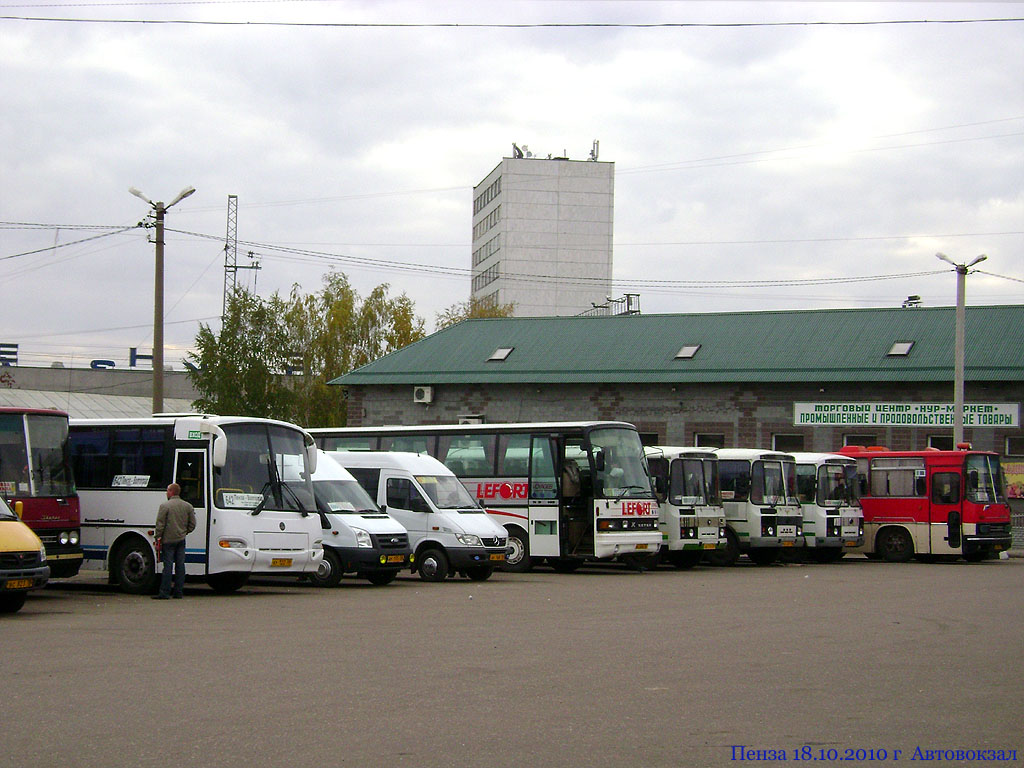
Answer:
(767, 155)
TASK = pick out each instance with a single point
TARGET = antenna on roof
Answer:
(593, 151)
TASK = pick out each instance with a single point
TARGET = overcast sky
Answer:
(742, 153)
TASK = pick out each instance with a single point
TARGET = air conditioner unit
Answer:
(423, 394)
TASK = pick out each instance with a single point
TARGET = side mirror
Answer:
(19, 509)
(599, 461)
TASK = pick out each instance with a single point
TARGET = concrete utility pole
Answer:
(159, 210)
(959, 350)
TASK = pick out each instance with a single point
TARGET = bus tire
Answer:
(328, 571)
(432, 564)
(226, 583)
(728, 556)
(134, 567)
(684, 560)
(763, 555)
(479, 572)
(518, 560)
(895, 545)
(12, 603)
(381, 578)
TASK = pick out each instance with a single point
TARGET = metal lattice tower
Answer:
(231, 256)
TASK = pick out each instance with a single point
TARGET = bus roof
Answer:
(411, 462)
(677, 452)
(752, 454)
(553, 426)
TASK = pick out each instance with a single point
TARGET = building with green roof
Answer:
(793, 380)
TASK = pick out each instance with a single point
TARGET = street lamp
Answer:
(159, 210)
(958, 362)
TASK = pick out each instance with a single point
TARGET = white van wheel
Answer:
(328, 571)
(433, 565)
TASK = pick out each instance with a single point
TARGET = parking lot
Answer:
(604, 667)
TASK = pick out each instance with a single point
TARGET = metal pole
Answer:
(158, 312)
(958, 359)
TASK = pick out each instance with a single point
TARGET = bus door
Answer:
(945, 511)
(544, 529)
(190, 474)
(406, 504)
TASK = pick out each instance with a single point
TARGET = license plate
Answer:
(499, 558)
(396, 558)
(710, 546)
(788, 543)
(18, 583)
(850, 543)
(280, 562)
(641, 546)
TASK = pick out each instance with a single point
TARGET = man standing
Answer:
(175, 520)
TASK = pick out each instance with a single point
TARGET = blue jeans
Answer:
(173, 559)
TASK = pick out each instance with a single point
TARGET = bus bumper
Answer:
(470, 557)
(22, 579)
(370, 560)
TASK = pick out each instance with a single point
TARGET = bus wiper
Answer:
(626, 490)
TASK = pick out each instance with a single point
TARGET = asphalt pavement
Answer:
(603, 667)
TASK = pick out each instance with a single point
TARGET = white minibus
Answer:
(448, 531)
(358, 537)
(690, 515)
(829, 493)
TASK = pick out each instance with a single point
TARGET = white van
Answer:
(448, 531)
(357, 536)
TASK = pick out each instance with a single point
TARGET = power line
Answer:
(55, 246)
(515, 25)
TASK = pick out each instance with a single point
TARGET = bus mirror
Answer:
(972, 479)
(19, 509)
(220, 442)
(311, 458)
(659, 486)
(599, 461)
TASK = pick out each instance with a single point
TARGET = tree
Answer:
(236, 370)
(468, 310)
(313, 337)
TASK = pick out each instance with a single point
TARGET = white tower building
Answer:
(542, 234)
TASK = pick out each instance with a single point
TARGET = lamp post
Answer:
(159, 209)
(958, 359)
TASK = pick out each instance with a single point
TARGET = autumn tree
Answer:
(468, 310)
(314, 337)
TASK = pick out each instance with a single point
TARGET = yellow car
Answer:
(22, 561)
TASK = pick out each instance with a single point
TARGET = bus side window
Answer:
(945, 488)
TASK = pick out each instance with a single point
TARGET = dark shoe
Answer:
(161, 597)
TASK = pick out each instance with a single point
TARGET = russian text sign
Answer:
(904, 414)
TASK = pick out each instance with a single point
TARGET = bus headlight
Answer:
(468, 540)
(232, 544)
(64, 538)
(363, 540)
(42, 553)
(74, 537)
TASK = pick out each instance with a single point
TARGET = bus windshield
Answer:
(50, 456)
(689, 482)
(837, 486)
(766, 485)
(985, 480)
(5, 511)
(259, 458)
(447, 492)
(343, 497)
(620, 468)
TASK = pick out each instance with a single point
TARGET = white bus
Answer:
(229, 468)
(565, 492)
(691, 519)
(829, 493)
(762, 511)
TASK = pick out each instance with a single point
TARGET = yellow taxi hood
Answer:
(15, 536)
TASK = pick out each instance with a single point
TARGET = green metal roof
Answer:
(792, 346)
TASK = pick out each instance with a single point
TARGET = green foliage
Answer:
(468, 310)
(317, 336)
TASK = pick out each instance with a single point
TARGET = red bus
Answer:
(931, 503)
(36, 481)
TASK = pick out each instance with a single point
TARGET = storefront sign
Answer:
(904, 414)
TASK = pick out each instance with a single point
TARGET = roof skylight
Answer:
(687, 352)
(500, 354)
(900, 349)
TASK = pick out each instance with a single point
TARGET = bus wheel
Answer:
(134, 568)
(684, 560)
(518, 560)
(328, 571)
(380, 578)
(895, 545)
(763, 555)
(479, 572)
(433, 565)
(12, 602)
(226, 583)
(728, 556)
